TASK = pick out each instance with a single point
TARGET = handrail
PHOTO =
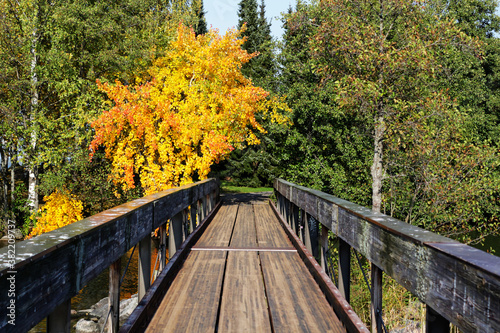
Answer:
(46, 271)
(458, 283)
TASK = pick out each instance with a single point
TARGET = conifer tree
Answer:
(201, 25)
(255, 165)
(258, 34)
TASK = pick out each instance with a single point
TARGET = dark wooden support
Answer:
(314, 236)
(324, 248)
(185, 224)
(376, 299)
(163, 246)
(200, 215)
(175, 234)
(114, 296)
(204, 206)
(59, 320)
(144, 266)
(192, 221)
(345, 270)
(307, 232)
(295, 220)
(435, 323)
(300, 231)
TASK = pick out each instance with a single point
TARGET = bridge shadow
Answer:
(250, 198)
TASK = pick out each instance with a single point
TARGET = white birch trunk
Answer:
(33, 168)
(377, 169)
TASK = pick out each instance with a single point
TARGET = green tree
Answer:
(324, 149)
(50, 56)
(385, 59)
(258, 39)
(201, 25)
(256, 165)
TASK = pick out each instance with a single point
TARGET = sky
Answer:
(223, 14)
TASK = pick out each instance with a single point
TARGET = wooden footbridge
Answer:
(246, 264)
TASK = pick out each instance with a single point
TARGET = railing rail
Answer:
(458, 283)
(39, 276)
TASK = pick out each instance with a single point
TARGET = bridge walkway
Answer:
(244, 275)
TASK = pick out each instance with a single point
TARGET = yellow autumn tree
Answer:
(60, 209)
(196, 108)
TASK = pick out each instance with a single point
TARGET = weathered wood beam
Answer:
(60, 319)
(114, 296)
(460, 283)
(376, 299)
(144, 273)
(71, 256)
(345, 270)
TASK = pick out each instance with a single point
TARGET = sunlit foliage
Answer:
(60, 209)
(196, 109)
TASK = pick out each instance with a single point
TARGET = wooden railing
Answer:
(458, 283)
(38, 277)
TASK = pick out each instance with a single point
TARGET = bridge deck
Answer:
(244, 275)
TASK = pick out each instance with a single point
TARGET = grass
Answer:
(227, 187)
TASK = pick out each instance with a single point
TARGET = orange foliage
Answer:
(59, 210)
(195, 110)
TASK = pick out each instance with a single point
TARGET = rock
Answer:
(127, 306)
(411, 327)
(86, 326)
(100, 309)
(18, 234)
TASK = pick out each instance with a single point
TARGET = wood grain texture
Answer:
(296, 302)
(244, 304)
(220, 229)
(269, 231)
(192, 301)
(244, 234)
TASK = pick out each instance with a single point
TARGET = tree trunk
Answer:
(13, 162)
(377, 169)
(3, 176)
(33, 168)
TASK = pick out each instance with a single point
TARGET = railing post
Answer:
(60, 319)
(114, 296)
(324, 248)
(314, 235)
(144, 266)
(295, 219)
(301, 230)
(311, 233)
(376, 299)
(175, 234)
(192, 221)
(434, 322)
(163, 246)
(204, 206)
(345, 269)
(200, 211)
(185, 224)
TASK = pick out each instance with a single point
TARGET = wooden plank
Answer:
(244, 305)
(220, 229)
(341, 307)
(192, 302)
(244, 234)
(296, 302)
(269, 231)
(146, 309)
